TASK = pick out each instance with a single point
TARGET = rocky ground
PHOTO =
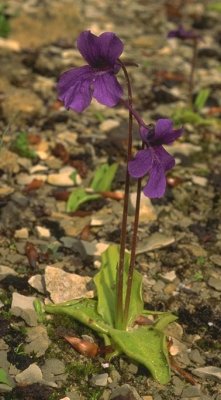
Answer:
(47, 152)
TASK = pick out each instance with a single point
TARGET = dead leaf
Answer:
(61, 195)
(118, 195)
(61, 152)
(32, 254)
(84, 347)
(33, 185)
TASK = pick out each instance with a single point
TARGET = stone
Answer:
(53, 366)
(6, 191)
(200, 180)
(38, 283)
(64, 286)
(195, 249)
(210, 372)
(191, 391)
(155, 241)
(147, 210)
(108, 125)
(215, 283)
(26, 179)
(94, 248)
(30, 375)
(196, 357)
(125, 392)
(38, 341)
(168, 276)
(99, 379)
(42, 232)
(216, 259)
(60, 179)
(22, 306)
(21, 233)
(6, 271)
(31, 104)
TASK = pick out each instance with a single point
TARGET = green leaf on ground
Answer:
(103, 177)
(146, 346)
(4, 24)
(214, 6)
(201, 98)
(83, 310)
(21, 146)
(4, 377)
(78, 197)
(105, 281)
(184, 116)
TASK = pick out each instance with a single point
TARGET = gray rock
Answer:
(191, 391)
(215, 283)
(22, 306)
(38, 341)
(125, 392)
(30, 375)
(155, 241)
(64, 286)
(6, 271)
(5, 389)
(216, 259)
(38, 283)
(99, 379)
(53, 371)
(213, 373)
(53, 366)
(196, 357)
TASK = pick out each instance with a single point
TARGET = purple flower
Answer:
(154, 159)
(77, 86)
(183, 34)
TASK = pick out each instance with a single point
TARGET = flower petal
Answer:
(163, 127)
(172, 135)
(88, 45)
(164, 159)
(74, 88)
(141, 164)
(156, 185)
(107, 90)
(111, 47)
(99, 49)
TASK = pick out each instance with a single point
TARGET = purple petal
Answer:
(141, 164)
(88, 45)
(163, 127)
(74, 88)
(98, 50)
(172, 135)
(164, 159)
(156, 185)
(107, 90)
(111, 47)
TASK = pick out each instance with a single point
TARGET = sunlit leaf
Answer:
(103, 177)
(83, 310)
(201, 98)
(78, 197)
(146, 346)
(4, 377)
(105, 281)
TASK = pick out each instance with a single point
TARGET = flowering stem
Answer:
(192, 71)
(120, 268)
(133, 252)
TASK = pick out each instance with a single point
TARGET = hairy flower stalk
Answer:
(120, 268)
